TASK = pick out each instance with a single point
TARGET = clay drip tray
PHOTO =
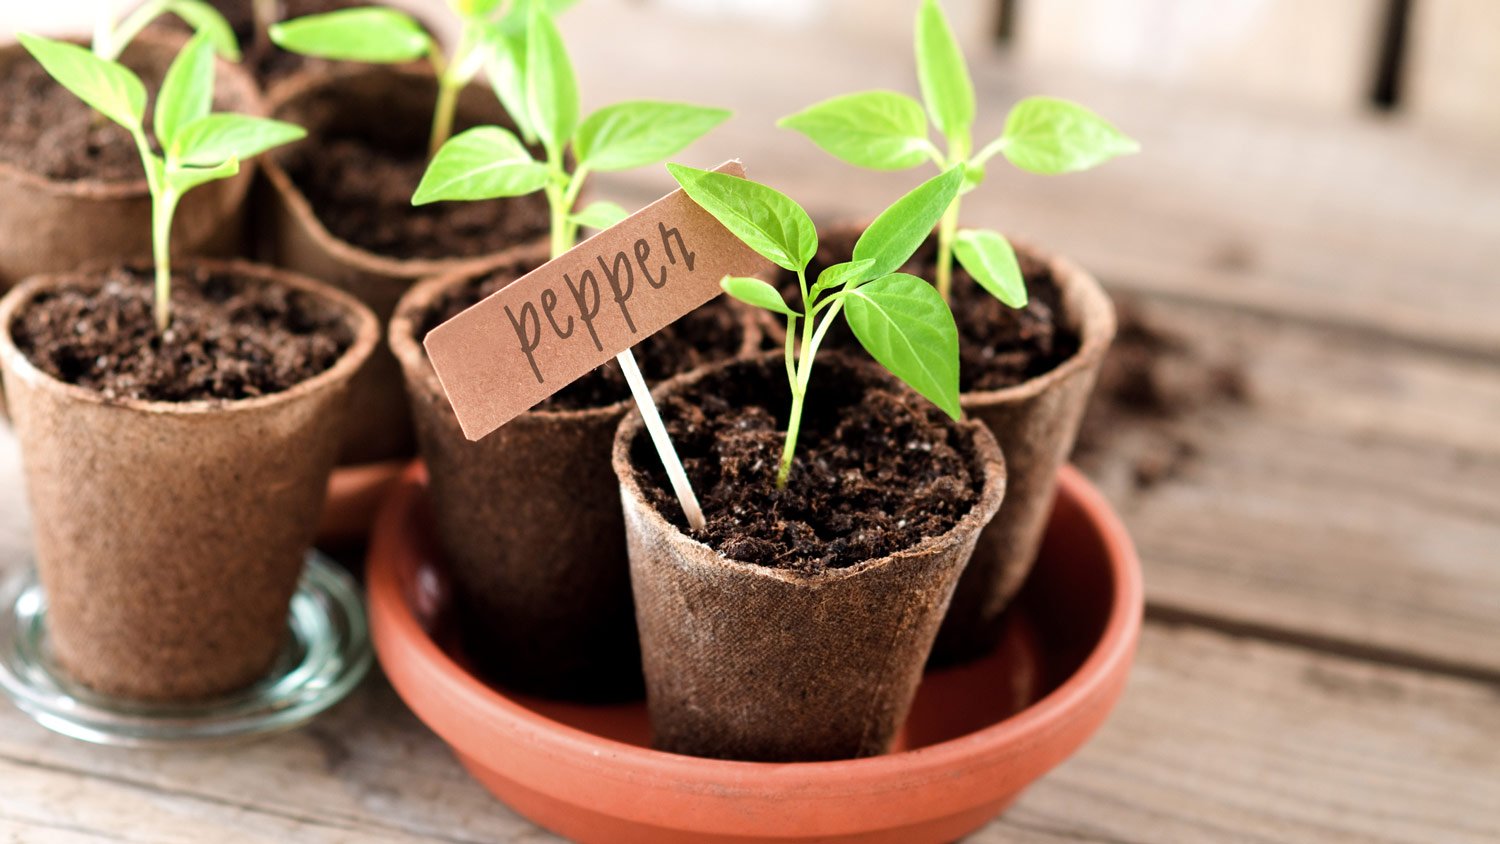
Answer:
(326, 655)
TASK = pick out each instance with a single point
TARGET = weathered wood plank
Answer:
(1216, 739)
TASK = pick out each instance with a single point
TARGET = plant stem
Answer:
(451, 81)
(265, 13)
(162, 212)
(116, 40)
(803, 371)
(947, 230)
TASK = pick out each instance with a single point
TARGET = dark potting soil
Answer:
(713, 332)
(877, 469)
(361, 189)
(46, 130)
(998, 346)
(231, 338)
(1152, 381)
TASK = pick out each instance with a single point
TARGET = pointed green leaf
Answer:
(992, 262)
(184, 179)
(372, 34)
(217, 138)
(901, 228)
(210, 23)
(640, 132)
(904, 324)
(1048, 135)
(839, 275)
(507, 73)
(943, 73)
(880, 130)
(600, 215)
(551, 89)
(485, 162)
(187, 91)
(108, 87)
(767, 221)
(753, 291)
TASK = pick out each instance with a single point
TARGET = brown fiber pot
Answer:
(529, 518)
(50, 226)
(760, 664)
(293, 237)
(170, 536)
(1035, 423)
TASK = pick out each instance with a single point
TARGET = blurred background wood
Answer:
(1317, 203)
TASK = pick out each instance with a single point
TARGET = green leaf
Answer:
(943, 73)
(600, 215)
(184, 179)
(551, 89)
(992, 262)
(753, 291)
(641, 132)
(208, 22)
(485, 162)
(901, 228)
(217, 138)
(880, 130)
(839, 275)
(187, 91)
(478, 8)
(904, 324)
(370, 34)
(973, 177)
(108, 87)
(1047, 135)
(767, 221)
(507, 73)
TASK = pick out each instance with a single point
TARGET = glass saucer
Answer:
(326, 655)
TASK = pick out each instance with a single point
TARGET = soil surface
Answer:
(998, 346)
(877, 468)
(713, 332)
(1151, 383)
(231, 338)
(361, 188)
(46, 130)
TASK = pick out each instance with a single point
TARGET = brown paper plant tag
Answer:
(541, 332)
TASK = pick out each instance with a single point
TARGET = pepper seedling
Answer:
(110, 41)
(490, 162)
(900, 319)
(489, 35)
(884, 130)
(197, 146)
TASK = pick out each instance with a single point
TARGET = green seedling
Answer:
(491, 35)
(884, 130)
(900, 319)
(197, 146)
(110, 40)
(489, 162)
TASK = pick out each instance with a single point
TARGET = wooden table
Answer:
(1321, 659)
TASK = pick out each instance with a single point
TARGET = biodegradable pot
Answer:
(761, 664)
(49, 226)
(293, 236)
(1036, 423)
(529, 518)
(170, 535)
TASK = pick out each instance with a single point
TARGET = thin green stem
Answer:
(162, 212)
(450, 74)
(947, 230)
(989, 151)
(117, 39)
(803, 371)
(265, 13)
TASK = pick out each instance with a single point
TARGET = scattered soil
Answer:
(46, 130)
(877, 469)
(1151, 383)
(999, 346)
(231, 338)
(713, 332)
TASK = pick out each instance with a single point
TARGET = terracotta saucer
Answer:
(977, 736)
(354, 496)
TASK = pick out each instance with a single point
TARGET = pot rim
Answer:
(227, 73)
(396, 626)
(409, 352)
(1085, 301)
(986, 452)
(412, 269)
(365, 327)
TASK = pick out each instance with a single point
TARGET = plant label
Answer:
(550, 327)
